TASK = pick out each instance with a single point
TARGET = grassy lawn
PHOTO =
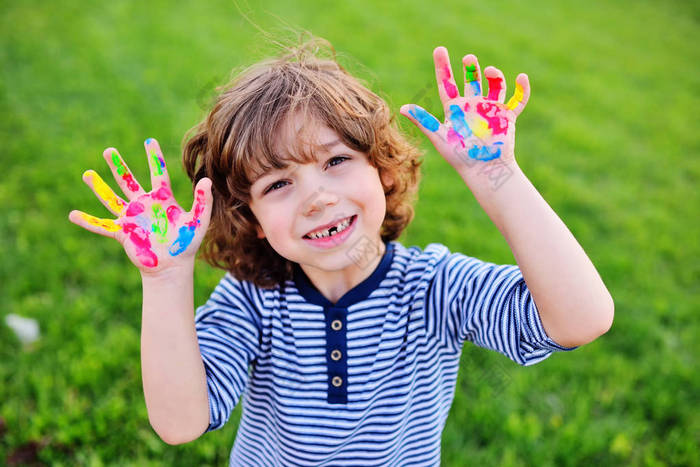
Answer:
(610, 138)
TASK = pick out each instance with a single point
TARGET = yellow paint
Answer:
(480, 128)
(105, 192)
(106, 224)
(517, 97)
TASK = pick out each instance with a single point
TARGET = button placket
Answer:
(336, 345)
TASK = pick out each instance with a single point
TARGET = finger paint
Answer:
(481, 129)
(493, 114)
(485, 153)
(163, 193)
(173, 213)
(187, 231)
(199, 205)
(447, 81)
(495, 87)
(106, 224)
(160, 224)
(124, 172)
(424, 118)
(105, 193)
(157, 161)
(517, 97)
(473, 79)
(135, 208)
(139, 238)
(184, 238)
(459, 124)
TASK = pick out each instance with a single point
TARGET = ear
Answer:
(387, 180)
(259, 230)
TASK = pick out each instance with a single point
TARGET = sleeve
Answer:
(491, 306)
(228, 330)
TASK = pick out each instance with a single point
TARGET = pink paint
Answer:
(139, 237)
(491, 113)
(173, 213)
(162, 194)
(495, 88)
(134, 209)
(130, 182)
(198, 208)
(447, 83)
(454, 137)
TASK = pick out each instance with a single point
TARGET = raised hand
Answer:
(476, 128)
(155, 231)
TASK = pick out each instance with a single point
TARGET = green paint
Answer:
(471, 72)
(160, 223)
(116, 160)
(156, 163)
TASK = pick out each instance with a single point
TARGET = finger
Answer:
(106, 227)
(522, 94)
(104, 193)
(497, 84)
(122, 174)
(198, 218)
(472, 76)
(156, 162)
(443, 72)
(429, 125)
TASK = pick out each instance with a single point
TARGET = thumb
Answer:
(426, 122)
(203, 203)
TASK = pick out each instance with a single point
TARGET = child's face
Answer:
(340, 187)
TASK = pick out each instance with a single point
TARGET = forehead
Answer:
(297, 140)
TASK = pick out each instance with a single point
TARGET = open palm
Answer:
(476, 128)
(155, 231)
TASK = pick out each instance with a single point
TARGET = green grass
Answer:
(610, 138)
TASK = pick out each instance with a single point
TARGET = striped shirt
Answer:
(370, 379)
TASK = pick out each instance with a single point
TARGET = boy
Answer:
(345, 343)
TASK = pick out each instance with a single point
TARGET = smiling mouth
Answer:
(331, 231)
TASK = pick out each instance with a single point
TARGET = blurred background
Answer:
(610, 138)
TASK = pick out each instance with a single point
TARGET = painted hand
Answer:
(476, 128)
(155, 232)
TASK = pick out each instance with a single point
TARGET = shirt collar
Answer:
(352, 296)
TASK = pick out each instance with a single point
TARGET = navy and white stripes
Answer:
(375, 388)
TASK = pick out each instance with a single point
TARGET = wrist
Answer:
(170, 275)
(488, 176)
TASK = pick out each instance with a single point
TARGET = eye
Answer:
(274, 186)
(339, 159)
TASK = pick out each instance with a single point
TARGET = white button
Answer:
(336, 355)
(337, 381)
(336, 325)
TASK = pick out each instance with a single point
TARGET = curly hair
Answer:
(236, 142)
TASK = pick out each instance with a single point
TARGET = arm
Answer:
(161, 240)
(478, 137)
(174, 381)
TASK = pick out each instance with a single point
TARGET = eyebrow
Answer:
(326, 146)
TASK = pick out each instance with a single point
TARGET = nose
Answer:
(318, 200)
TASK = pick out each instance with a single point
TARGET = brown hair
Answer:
(236, 142)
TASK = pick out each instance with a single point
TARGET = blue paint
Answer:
(484, 153)
(459, 124)
(424, 118)
(476, 86)
(149, 140)
(184, 238)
